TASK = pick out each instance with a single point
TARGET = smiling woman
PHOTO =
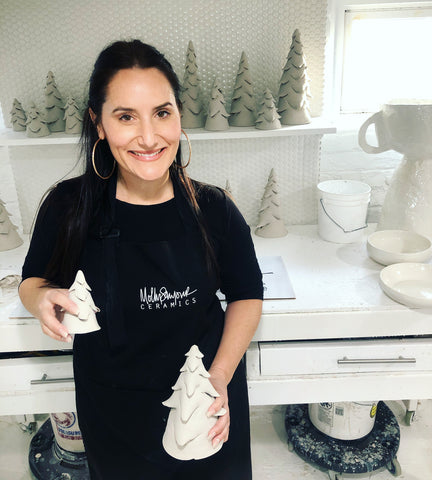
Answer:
(141, 122)
(155, 247)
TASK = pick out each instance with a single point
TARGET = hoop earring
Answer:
(190, 149)
(94, 163)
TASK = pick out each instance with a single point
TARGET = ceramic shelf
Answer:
(318, 126)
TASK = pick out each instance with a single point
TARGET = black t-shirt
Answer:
(238, 268)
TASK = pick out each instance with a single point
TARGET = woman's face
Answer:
(141, 122)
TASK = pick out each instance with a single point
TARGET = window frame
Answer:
(336, 29)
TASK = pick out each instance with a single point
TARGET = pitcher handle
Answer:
(362, 136)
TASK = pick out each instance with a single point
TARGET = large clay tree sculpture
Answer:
(18, 117)
(294, 91)
(54, 105)
(36, 125)
(9, 237)
(268, 117)
(85, 321)
(243, 102)
(270, 224)
(192, 115)
(73, 117)
(186, 433)
(217, 117)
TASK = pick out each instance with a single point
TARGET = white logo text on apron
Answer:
(154, 299)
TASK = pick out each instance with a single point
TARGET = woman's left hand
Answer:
(220, 431)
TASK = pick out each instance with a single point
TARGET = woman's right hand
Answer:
(48, 306)
(53, 302)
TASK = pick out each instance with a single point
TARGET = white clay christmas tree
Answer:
(191, 97)
(9, 237)
(72, 117)
(294, 92)
(36, 125)
(54, 105)
(228, 188)
(186, 433)
(85, 321)
(268, 117)
(217, 117)
(18, 117)
(270, 224)
(243, 102)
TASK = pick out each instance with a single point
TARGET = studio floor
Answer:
(271, 458)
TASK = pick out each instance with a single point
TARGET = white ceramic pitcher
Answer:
(406, 127)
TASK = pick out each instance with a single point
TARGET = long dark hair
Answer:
(91, 199)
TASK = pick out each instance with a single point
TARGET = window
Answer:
(387, 55)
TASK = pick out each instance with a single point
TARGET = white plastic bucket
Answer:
(344, 420)
(342, 210)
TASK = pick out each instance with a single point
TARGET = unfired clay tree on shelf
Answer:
(9, 237)
(36, 125)
(243, 102)
(294, 92)
(54, 105)
(192, 115)
(73, 117)
(85, 321)
(270, 224)
(18, 117)
(228, 188)
(217, 117)
(186, 433)
(268, 117)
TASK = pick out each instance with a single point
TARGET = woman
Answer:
(143, 232)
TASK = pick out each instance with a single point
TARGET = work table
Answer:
(302, 351)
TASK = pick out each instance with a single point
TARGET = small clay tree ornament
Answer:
(192, 115)
(186, 433)
(268, 117)
(73, 117)
(228, 188)
(18, 117)
(36, 125)
(9, 237)
(294, 92)
(85, 321)
(243, 102)
(217, 117)
(54, 105)
(270, 224)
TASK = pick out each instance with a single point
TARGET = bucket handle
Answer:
(345, 231)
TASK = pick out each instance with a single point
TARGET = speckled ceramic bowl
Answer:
(398, 246)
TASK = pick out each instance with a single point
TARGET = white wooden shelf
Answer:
(318, 126)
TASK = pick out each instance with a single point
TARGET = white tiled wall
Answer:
(341, 158)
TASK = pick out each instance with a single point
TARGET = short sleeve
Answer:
(241, 277)
(239, 272)
(44, 236)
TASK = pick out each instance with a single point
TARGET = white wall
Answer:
(341, 157)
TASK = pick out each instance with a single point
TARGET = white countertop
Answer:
(336, 287)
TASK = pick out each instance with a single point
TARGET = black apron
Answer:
(157, 299)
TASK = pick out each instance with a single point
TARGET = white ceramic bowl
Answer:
(397, 246)
(408, 283)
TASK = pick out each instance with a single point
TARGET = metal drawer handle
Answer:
(354, 361)
(45, 379)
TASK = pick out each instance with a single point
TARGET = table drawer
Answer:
(36, 385)
(345, 356)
